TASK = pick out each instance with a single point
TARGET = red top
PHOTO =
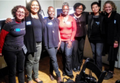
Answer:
(67, 28)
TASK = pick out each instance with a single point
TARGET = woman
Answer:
(111, 26)
(67, 27)
(95, 33)
(52, 41)
(33, 40)
(11, 43)
(78, 45)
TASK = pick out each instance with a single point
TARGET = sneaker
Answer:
(108, 76)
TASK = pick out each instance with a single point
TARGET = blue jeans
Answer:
(67, 58)
(97, 49)
(53, 61)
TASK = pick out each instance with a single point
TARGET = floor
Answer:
(44, 72)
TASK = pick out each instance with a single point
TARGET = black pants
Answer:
(53, 61)
(111, 65)
(77, 55)
(15, 60)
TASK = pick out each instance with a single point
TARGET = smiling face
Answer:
(20, 14)
(79, 10)
(95, 8)
(65, 10)
(51, 12)
(108, 8)
(34, 7)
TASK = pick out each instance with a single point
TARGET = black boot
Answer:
(108, 76)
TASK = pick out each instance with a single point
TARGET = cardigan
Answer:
(29, 38)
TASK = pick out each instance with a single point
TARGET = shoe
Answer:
(59, 80)
(118, 81)
(71, 76)
(108, 76)
(38, 81)
(30, 81)
(51, 77)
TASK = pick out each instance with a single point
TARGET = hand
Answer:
(59, 45)
(115, 44)
(69, 44)
(0, 54)
(8, 20)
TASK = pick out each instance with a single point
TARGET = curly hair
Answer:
(28, 6)
(14, 10)
(77, 5)
(114, 8)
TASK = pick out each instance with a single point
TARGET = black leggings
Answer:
(15, 59)
(111, 65)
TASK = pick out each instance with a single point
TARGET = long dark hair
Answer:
(28, 6)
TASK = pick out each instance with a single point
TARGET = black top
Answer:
(37, 29)
(51, 34)
(81, 24)
(96, 34)
(30, 35)
(15, 38)
(112, 27)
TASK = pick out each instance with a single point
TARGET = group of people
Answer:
(66, 33)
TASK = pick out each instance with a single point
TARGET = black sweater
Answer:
(29, 38)
(112, 28)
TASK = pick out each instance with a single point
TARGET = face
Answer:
(108, 8)
(65, 10)
(34, 7)
(51, 12)
(20, 14)
(95, 8)
(79, 10)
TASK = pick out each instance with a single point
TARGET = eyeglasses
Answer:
(20, 12)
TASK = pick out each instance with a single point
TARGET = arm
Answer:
(59, 40)
(2, 39)
(74, 27)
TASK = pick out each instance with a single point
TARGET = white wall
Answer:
(7, 5)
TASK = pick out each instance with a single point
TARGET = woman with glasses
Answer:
(11, 43)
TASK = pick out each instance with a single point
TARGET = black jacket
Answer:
(112, 28)
(29, 38)
(90, 23)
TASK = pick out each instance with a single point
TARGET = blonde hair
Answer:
(114, 8)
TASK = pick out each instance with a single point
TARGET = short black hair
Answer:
(28, 6)
(77, 5)
(95, 3)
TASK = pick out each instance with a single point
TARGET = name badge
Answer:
(67, 22)
(114, 21)
(28, 22)
(50, 23)
(97, 23)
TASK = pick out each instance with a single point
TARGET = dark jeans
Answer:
(53, 61)
(97, 49)
(67, 58)
(15, 59)
(77, 56)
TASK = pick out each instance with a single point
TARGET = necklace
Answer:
(65, 19)
(34, 16)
